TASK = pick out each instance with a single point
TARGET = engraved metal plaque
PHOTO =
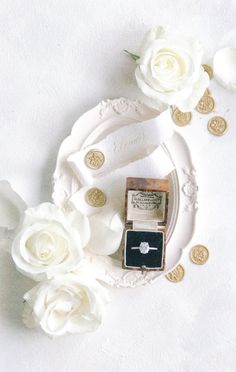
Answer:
(146, 205)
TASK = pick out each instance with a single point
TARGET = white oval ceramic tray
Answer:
(91, 127)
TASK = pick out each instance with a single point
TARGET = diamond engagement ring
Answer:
(144, 248)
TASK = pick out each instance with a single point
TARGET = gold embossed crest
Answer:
(95, 197)
(217, 126)
(94, 159)
(206, 104)
(181, 118)
(176, 275)
(209, 70)
(199, 254)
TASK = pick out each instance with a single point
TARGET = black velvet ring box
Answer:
(146, 217)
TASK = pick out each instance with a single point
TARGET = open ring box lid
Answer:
(145, 221)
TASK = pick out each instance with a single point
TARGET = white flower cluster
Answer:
(49, 245)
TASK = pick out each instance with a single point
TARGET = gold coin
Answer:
(176, 275)
(95, 197)
(209, 70)
(199, 254)
(205, 105)
(217, 126)
(181, 118)
(94, 159)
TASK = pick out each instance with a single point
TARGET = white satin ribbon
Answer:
(156, 165)
(123, 146)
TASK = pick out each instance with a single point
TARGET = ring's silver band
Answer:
(149, 248)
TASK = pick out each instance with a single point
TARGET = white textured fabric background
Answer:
(58, 59)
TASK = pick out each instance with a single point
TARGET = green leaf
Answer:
(132, 55)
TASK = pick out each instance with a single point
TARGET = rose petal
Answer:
(200, 86)
(224, 67)
(80, 223)
(44, 212)
(159, 32)
(169, 97)
(11, 206)
(106, 233)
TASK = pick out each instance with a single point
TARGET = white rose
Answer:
(65, 304)
(49, 241)
(169, 69)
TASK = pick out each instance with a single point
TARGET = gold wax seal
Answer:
(181, 118)
(217, 126)
(95, 197)
(176, 275)
(199, 254)
(94, 159)
(205, 105)
(209, 70)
